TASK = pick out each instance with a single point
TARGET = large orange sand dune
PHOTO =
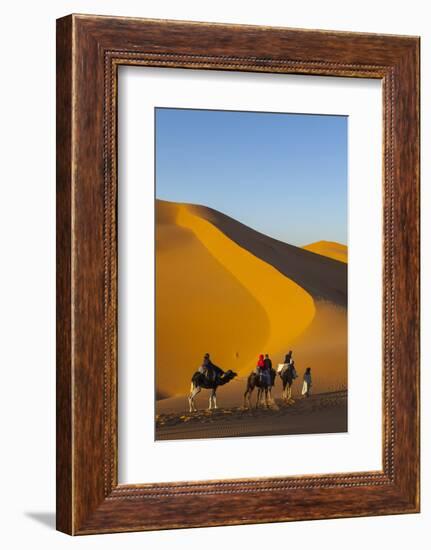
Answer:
(212, 295)
(224, 288)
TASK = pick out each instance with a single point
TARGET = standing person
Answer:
(306, 387)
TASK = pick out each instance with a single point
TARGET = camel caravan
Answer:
(210, 377)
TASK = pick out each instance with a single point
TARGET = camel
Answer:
(288, 376)
(200, 382)
(254, 381)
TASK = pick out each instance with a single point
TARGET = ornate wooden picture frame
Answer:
(89, 51)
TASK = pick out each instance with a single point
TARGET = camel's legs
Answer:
(289, 396)
(247, 398)
(259, 397)
(194, 391)
(212, 400)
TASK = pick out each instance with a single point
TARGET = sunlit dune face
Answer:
(196, 302)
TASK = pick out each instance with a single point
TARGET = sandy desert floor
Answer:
(320, 413)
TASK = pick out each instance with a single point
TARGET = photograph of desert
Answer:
(251, 318)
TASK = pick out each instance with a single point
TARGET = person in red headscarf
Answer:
(262, 368)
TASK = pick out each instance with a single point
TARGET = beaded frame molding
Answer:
(89, 51)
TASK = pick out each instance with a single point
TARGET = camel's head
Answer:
(229, 375)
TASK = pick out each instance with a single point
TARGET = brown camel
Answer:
(263, 386)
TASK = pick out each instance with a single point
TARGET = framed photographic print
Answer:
(237, 274)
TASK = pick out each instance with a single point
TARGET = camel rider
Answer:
(259, 365)
(263, 369)
(294, 373)
(211, 371)
(268, 363)
(287, 362)
(268, 368)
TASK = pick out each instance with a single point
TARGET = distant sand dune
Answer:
(224, 288)
(330, 249)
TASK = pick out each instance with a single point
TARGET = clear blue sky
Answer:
(282, 174)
